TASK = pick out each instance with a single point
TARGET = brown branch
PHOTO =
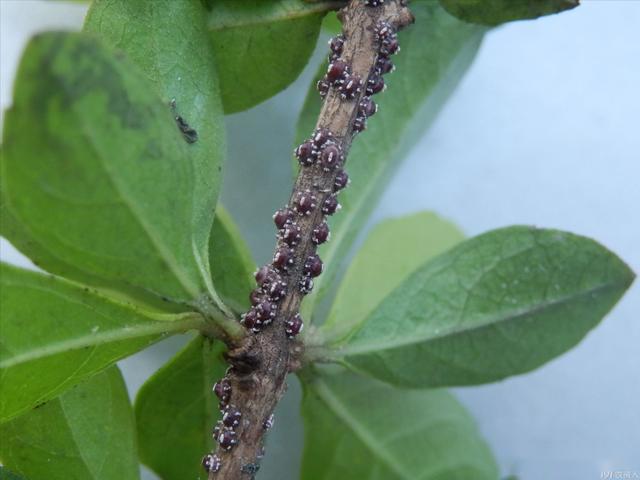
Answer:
(260, 362)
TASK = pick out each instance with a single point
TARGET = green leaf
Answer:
(231, 264)
(56, 333)
(261, 46)
(331, 25)
(168, 41)
(500, 304)
(495, 12)
(436, 52)
(85, 434)
(176, 409)
(393, 250)
(96, 172)
(12, 229)
(7, 475)
(359, 428)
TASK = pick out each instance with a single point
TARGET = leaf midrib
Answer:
(190, 321)
(372, 443)
(490, 321)
(165, 254)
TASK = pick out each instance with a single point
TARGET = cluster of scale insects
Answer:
(324, 151)
(224, 433)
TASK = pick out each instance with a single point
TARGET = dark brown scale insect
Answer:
(306, 285)
(336, 44)
(277, 291)
(384, 30)
(351, 87)
(227, 439)
(321, 136)
(265, 311)
(389, 46)
(359, 124)
(262, 275)
(290, 234)
(341, 181)
(331, 157)
(337, 70)
(294, 326)
(231, 417)
(306, 153)
(282, 217)
(256, 296)
(283, 258)
(320, 234)
(375, 85)
(330, 205)
(305, 202)
(251, 321)
(313, 266)
(266, 276)
(211, 463)
(384, 65)
(323, 87)
(268, 423)
(250, 468)
(222, 389)
(367, 107)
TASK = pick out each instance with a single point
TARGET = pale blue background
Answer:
(543, 130)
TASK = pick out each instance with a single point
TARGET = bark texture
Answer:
(261, 360)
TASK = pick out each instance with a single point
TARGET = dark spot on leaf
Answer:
(93, 74)
(189, 134)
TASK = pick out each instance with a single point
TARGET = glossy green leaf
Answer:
(495, 12)
(168, 42)
(360, 428)
(261, 46)
(499, 304)
(176, 409)
(87, 433)
(56, 333)
(231, 264)
(436, 52)
(394, 249)
(97, 173)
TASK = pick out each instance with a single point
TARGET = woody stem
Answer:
(261, 360)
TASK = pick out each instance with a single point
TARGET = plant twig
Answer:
(261, 360)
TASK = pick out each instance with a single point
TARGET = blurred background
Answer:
(543, 130)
